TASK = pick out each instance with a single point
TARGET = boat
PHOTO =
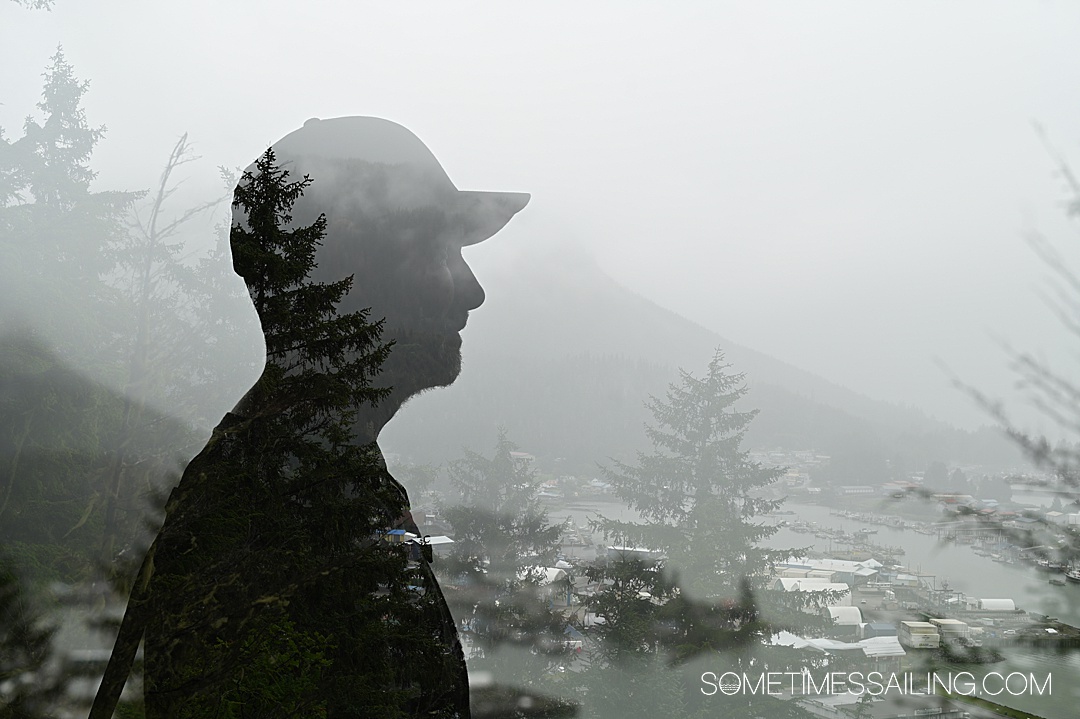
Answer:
(1046, 565)
(1073, 575)
(1058, 580)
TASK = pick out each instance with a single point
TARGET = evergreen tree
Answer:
(504, 547)
(272, 552)
(501, 529)
(696, 493)
(52, 216)
(61, 332)
(35, 4)
(684, 588)
(25, 648)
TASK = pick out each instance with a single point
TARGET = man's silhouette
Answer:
(397, 224)
(218, 586)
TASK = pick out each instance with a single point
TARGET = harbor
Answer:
(948, 568)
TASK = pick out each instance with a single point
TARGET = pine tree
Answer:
(696, 491)
(25, 649)
(45, 181)
(272, 544)
(59, 330)
(503, 547)
(500, 526)
(685, 587)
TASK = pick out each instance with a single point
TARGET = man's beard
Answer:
(421, 359)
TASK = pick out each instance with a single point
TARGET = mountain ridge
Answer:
(556, 329)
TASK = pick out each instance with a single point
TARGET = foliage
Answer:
(276, 529)
(25, 693)
(696, 492)
(66, 438)
(1052, 392)
(45, 183)
(686, 583)
(285, 667)
(503, 545)
(36, 4)
(500, 526)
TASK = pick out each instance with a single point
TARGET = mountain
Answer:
(563, 357)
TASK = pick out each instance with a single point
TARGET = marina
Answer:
(953, 567)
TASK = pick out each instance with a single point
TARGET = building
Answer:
(846, 620)
(847, 706)
(878, 629)
(842, 597)
(997, 605)
(848, 490)
(952, 630)
(842, 571)
(919, 635)
(877, 654)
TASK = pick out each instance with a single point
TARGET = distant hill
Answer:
(564, 356)
(61, 436)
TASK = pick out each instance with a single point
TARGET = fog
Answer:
(845, 188)
(845, 201)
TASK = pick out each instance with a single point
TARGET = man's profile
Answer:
(397, 224)
(270, 588)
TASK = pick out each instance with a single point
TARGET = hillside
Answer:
(563, 356)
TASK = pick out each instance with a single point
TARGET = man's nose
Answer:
(468, 293)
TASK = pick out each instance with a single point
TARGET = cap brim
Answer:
(482, 214)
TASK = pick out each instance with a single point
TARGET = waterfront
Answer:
(954, 565)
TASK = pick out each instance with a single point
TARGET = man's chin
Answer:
(417, 363)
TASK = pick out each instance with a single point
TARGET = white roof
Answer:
(846, 616)
(433, 541)
(543, 575)
(787, 639)
(807, 584)
(873, 647)
(882, 647)
(830, 565)
(997, 605)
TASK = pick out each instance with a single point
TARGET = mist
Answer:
(836, 202)
(855, 181)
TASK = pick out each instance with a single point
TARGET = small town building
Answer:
(878, 629)
(919, 635)
(997, 605)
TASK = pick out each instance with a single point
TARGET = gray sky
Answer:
(845, 186)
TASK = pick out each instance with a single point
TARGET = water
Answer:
(953, 563)
(963, 570)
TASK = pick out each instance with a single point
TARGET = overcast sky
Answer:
(845, 186)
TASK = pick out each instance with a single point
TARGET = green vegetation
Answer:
(25, 648)
(687, 588)
(496, 571)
